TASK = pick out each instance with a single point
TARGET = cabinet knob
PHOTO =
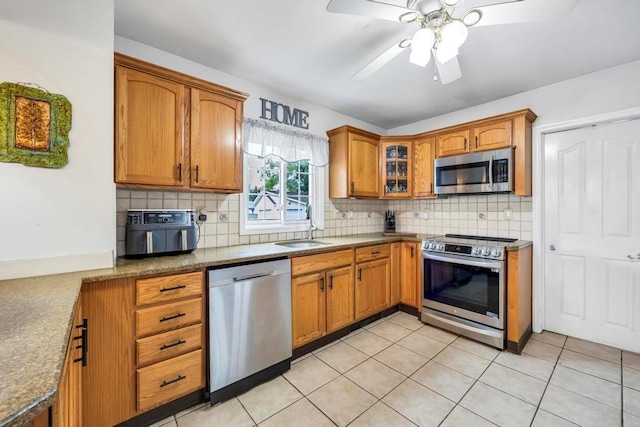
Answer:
(465, 144)
(360, 274)
(353, 187)
(197, 173)
(322, 283)
(180, 172)
(476, 142)
(331, 281)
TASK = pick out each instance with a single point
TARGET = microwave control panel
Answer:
(501, 170)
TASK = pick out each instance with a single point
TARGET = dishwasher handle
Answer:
(253, 276)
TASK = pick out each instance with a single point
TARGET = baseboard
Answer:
(517, 347)
(15, 269)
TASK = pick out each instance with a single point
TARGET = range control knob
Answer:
(475, 251)
(486, 251)
(496, 253)
(440, 247)
(432, 245)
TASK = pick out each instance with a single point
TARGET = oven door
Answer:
(471, 288)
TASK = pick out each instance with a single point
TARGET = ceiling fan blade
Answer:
(378, 63)
(524, 11)
(449, 71)
(369, 8)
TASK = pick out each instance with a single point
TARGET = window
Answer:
(284, 174)
(278, 194)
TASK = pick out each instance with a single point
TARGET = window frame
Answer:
(317, 198)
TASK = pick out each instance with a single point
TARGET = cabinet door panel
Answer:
(397, 169)
(409, 273)
(308, 308)
(363, 166)
(149, 143)
(216, 147)
(339, 298)
(396, 265)
(495, 135)
(453, 143)
(424, 153)
(372, 290)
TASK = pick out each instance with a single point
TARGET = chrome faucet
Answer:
(311, 226)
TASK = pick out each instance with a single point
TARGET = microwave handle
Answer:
(491, 172)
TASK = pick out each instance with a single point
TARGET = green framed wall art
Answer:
(34, 126)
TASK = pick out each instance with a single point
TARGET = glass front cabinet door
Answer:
(397, 171)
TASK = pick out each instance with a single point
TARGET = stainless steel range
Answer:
(464, 286)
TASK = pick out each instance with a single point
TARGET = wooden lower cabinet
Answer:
(138, 356)
(410, 274)
(339, 298)
(309, 313)
(321, 295)
(372, 287)
(67, 411)
(396, 264)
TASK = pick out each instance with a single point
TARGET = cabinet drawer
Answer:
(165, 381)
(167, 288)
(372, 252)
(167, 317)
(319, 262)
(169, 344)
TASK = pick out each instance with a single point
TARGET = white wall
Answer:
(320, 119)
(57, 220)
(605, 91)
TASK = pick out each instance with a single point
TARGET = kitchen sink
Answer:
(301, 243)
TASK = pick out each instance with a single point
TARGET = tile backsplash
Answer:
(477, 215)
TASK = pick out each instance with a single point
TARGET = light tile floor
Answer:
(399, 372)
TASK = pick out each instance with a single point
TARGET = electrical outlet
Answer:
(425, 215)
(508, 213)
(222, 217)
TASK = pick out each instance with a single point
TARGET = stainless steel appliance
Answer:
(482, 172)
(160, 232)
(249, 326)
(464, 286)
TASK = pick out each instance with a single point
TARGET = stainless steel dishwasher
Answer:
(249, 326)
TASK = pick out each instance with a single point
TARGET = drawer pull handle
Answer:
(375, 252)
(173, 288)
(166, 346)
(166, 383)
(175, 316)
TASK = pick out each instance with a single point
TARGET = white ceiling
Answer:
(298, 48)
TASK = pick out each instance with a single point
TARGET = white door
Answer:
(592, 225)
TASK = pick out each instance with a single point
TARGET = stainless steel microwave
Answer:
(474, 173)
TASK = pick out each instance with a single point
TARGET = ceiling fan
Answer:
(441, 30)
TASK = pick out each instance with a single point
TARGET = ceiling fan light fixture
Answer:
(421, 45)
(451, 3)
(408, 17)
(471, 17)
(454, 34)
(446, 53)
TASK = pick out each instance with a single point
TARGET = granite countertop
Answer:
(36, 313)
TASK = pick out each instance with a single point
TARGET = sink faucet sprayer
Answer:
(310, 218)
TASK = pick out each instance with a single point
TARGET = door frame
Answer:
(539, 133)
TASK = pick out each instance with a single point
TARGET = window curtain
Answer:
(262, 138)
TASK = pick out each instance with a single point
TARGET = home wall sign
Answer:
(281, 113)
(34, 126)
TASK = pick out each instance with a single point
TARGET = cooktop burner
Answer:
(474, 246)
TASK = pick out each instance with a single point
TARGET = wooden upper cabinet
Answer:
(453, 143)
(176, 131)
(216, 145)
(424, 154)
(149, 140)
(396, 168)
(492, 136)
(363, 166)
(353, 163)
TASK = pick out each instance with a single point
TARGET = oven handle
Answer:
(457, 259)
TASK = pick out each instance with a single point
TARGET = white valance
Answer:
(262, 138)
